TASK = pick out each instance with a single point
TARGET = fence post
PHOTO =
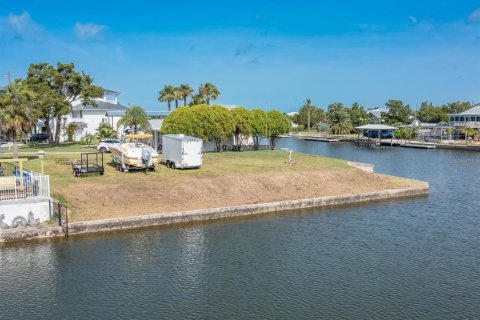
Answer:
(59, 214)
(66, 221)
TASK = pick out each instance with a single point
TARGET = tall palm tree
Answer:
(209, 92)
(177, 95)
(308, 105)
(167, 94)
(339, 119)
(185, 91)
(17, 114)
(135, 117)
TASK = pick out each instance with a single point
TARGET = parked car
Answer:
(104, 145)
(38, 137)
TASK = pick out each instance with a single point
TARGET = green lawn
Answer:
(64, 147)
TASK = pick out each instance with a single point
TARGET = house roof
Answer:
(376, 127)
(101, 105)
(149, 113)
(475, 110)
(377, 113)
(110, 92)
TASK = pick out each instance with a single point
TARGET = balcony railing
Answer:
(32, 186)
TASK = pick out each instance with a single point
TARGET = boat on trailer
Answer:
(134, 155)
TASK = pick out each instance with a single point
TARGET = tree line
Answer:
(206, 92)
(342, 120)
(218, 122)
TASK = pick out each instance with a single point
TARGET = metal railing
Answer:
(34, 185)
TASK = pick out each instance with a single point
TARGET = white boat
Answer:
(134, 155)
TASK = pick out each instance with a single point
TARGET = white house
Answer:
(89, 117)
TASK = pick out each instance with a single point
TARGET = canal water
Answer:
(408, 259)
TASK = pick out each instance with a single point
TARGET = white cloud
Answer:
(474, 16)
(22, 25)
(88, 31)
(413, 19)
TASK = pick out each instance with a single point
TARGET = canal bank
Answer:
(137, 222)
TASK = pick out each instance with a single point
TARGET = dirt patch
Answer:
(91, 201)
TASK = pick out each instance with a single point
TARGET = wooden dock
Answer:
(418, 145)
(322, 139)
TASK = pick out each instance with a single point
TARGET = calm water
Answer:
(412, 259)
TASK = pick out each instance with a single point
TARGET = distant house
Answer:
(375, 115)
(88, 117)
(468, 118)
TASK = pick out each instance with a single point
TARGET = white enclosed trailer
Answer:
(181, 151)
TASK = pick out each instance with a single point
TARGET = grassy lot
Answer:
(225, 179)
(64, 147)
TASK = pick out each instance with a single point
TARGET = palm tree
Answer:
(185, 91)
(209, 92)
(308, 106)
(167, 94)
(177, 95)
(467, 131)
(339, 119)
(16, 113)
(135, 117)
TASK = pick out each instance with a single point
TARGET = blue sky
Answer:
(260, 54)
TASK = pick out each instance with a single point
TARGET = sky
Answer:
(260, 54)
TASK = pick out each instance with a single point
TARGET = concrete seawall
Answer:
(216, 213)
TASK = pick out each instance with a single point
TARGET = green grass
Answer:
(63, 147)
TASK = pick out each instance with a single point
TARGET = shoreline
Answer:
(182, 217)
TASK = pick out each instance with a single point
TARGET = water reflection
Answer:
(409, 259)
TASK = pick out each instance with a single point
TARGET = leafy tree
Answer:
(70, 131)
(259, 126)
(134, 118)
(106, 131)
(468, 132)
(221, 124)
(185, 91)
(405, 133)
(338, 119)
(167, 94)
(56, 88)
(17, 115)
(277, 124)
(208, 92)
(243, 124)
(317, 115)
(183, 120)
(358, 115)
(397, 112)
(456, 107)
(432, 114)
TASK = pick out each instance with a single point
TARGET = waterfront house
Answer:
(88, 117)
(469, 118)
(375, 115)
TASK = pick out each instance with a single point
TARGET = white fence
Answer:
(34, 185)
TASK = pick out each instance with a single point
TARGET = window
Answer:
(462, 119)
(452, 119)
(77, 114)
(457, 118)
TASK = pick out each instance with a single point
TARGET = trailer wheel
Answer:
(224, 147)
(172, 165)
